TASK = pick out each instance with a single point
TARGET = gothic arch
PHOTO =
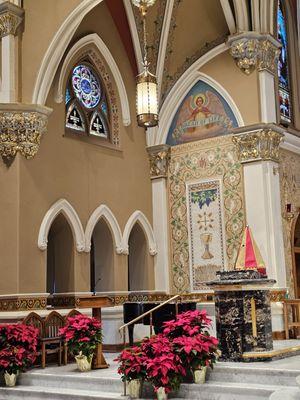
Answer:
(140, 218)
(57, 48)
(64, 207)
(182, 87)
(103, 212)
(94, 39)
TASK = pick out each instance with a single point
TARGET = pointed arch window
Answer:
(87, 110)
(284, 84)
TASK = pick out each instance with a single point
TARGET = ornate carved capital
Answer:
(159, 157)
(251, 50)
(258, 145)
(11, 17)
(21, 129)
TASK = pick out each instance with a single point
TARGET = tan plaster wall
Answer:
(242, 88)
(42, 21)
(86, 175)
(9, 241)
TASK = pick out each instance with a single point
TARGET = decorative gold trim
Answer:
(259, 145)
(271, 353)
(21, 129)
(159, 158)
(11, 17)
(20, 303)
(251, 50)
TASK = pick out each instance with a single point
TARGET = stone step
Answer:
(58, 393)
(229, 373)
(78, 381)
(227, 391)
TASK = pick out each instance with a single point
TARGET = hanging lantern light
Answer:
(146, 96)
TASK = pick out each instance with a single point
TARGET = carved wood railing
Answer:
(291, 313)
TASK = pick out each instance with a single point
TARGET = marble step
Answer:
(58, 393)
(227, 391)
(79, 381)
(229, 373)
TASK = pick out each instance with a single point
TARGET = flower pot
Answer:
(199, 375)
(134, 389)
(84, 363)
(10, 379)
(161, 394)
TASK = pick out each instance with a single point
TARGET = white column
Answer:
(259, 153)
(160, 227)
(11, 16)
(263, 213)
(268, 103)
(9, 70)
(159, 160)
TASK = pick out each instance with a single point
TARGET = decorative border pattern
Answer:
(22, 303)
(289, 175)
(206, 159)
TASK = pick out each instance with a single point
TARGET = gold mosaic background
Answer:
(289, 171)
(205, 159)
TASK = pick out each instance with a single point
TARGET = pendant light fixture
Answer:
(146, 96)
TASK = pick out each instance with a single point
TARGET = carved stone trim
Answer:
(258, 145)
(159, 157)
(21, 129)
(11, 17)
(251, 50)
(23, 303)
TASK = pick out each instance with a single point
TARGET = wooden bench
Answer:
(291, 312)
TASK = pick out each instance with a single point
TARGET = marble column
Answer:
(258, 151)
(159, 161)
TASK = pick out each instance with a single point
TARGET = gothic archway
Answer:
(140, 265)
(102, 258)
(60, 257)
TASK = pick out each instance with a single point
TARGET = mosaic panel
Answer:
(206, 235)
(213, 159)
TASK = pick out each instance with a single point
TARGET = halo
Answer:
(203, 97)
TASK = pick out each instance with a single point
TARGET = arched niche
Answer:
(102, 258)
(60, 257)
(140, 263)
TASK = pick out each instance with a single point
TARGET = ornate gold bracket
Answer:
(251, 50)
(159, 157)
(11, 17)
(21, 129)
(258, 145)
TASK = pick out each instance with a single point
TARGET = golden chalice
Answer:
(206, 238)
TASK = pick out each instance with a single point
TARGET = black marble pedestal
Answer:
(243, 313)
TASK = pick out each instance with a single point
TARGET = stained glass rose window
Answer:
(86, 86)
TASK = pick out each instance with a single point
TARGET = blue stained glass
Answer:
(104, 107)
(68, 96)
(86, 86)
(283, 70)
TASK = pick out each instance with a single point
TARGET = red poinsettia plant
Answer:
(82, 334)
(132, 364)
(18, 347)
(163, 366)
(191, 339)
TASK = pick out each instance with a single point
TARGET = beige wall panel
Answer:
(9, 243)
(42, 21)
(223, 69)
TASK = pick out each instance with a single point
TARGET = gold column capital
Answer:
(252, 50)
(21, 129)
(11, 17)
(261, 145)
(159, 157)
